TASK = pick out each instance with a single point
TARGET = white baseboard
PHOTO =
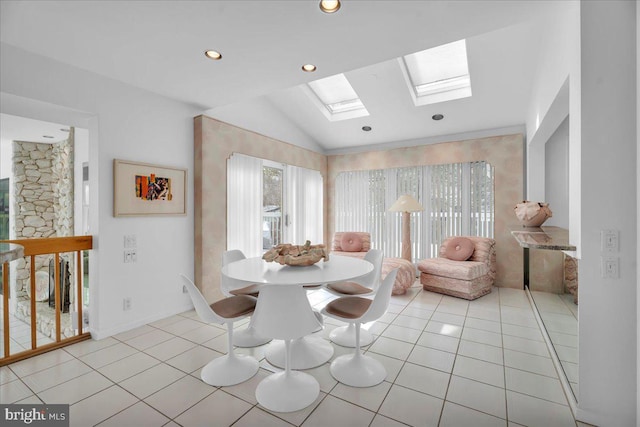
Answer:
(98, 334)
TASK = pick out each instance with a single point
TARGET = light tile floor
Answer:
(450, 362)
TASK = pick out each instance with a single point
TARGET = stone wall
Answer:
(62, 180)
(42, 197)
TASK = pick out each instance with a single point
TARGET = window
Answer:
(457, 200)
(438, 74)
(335, 98)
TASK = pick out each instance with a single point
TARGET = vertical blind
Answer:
(457, 200)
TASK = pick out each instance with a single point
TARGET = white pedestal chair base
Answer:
(345, 336)
(306, 353)
(358, 370)
(246, 338)
(287, 391)
(229, 370)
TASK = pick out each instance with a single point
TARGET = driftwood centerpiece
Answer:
(288, 254)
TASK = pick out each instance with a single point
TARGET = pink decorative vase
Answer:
(532, 214)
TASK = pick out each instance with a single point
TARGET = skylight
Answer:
(336, 98)
(438, 74)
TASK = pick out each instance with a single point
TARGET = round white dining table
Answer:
(283, 312)
(338, 268)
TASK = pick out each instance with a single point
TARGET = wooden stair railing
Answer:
(45, 246)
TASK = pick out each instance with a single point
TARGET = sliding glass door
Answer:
(270, 203)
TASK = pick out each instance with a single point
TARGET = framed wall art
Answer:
(141, 189)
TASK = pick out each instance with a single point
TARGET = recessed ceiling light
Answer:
(329, 6)
(309, 68)
(437, 117)
(47, 136)
(212, 54)
(366, 128)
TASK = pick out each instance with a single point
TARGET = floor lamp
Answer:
(406, 204)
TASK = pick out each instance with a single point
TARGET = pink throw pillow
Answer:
(459, 249)
(351, 242)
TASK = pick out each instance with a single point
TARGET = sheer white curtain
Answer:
(244, 204)
(304, 206)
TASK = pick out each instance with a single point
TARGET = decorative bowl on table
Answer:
(532, 214)
(296, 255)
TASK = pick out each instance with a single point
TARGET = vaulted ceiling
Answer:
(159, 46)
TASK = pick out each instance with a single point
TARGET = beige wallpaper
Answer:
(505, 153)
(215, 141)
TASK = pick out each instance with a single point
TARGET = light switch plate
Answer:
(610, 267)
(610, 240)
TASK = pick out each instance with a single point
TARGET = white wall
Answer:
(638, 208)
(81, 155)
(128, 123)
(608, 310)
(555, 92)
(556, 152)
(5, 159)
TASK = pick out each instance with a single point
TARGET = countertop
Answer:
(10, 252)
(551, 238)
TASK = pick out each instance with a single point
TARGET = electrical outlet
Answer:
(184, 290)
(126, 304)
(130, 255)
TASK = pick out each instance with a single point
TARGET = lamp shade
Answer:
(406, 203)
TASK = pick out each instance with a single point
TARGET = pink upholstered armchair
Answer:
(465, 268)
(358, 243)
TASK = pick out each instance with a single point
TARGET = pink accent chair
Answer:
(468, 279)
(358, 243)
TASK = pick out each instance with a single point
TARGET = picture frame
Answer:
(143, 189)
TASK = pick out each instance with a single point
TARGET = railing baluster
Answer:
(5, 306)
(32, 284)
(56, 269)
(79, 285)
